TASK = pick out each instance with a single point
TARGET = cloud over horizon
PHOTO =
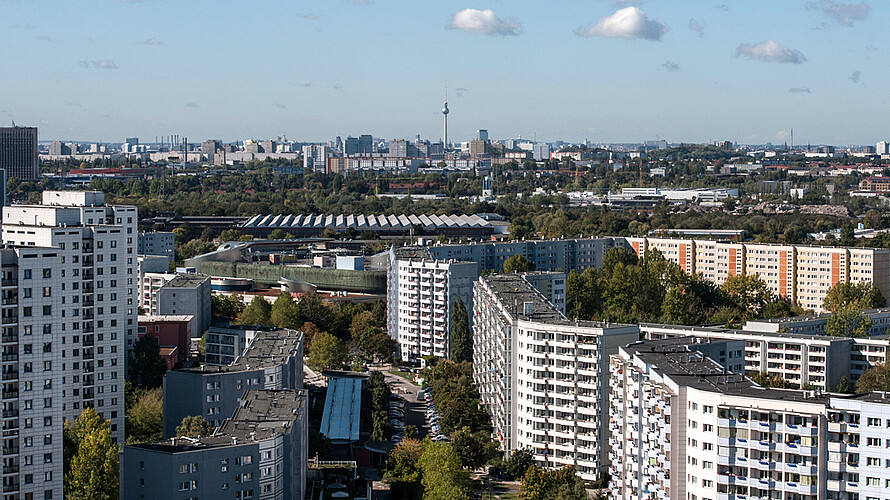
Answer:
(484, 22)
(102, 64)
(844, 14)
(771, 51)
(671, 66)
(697, 26)
(629, 22)
(799, 90)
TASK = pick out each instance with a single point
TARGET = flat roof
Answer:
(268, 348)
(342, 409)
(262, 414)
(513, 292)
(190, 280)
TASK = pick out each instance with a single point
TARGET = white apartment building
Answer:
(423, 293)
(156, 243)
(818, 360)
(683, 429)
(542, 378)
(71, 308)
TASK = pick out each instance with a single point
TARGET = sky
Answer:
(600, 70)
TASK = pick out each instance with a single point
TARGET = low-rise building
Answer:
(223, 344)
(177, 293)
(160, 243)
(172, 331)
(260, 452)
(274, 360)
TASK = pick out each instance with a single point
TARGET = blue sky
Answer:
(607, 71)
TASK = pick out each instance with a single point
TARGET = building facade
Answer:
(542, 378)
(176, 294)
(682, 428)
(261, 451)
(422, 293)
(817, 361)
(274, 360)
(18, 152)
(160, 243)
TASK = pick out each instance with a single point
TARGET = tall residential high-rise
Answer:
(482, 134)
(683, 428)
(883, 148)
(18, 152)
(69, 313)
(543, 379)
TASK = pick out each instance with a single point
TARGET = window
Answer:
(873, 481)
(873, 441)
(874, 422)
(48, 273)
(27, 274)
(47, 291)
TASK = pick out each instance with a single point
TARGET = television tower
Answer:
(445, 114)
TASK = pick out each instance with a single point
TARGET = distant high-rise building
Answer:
(398, 148)
(482, 134)
(477, 148)
(315, 158)
(365, 144)
(18, 152)
(883, 148)
(132, 141)
(59, 148)
(541, 151)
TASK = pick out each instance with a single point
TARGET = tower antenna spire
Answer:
(445, 115)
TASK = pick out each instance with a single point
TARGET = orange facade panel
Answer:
(835, 268)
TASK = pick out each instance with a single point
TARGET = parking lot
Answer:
(415, 411)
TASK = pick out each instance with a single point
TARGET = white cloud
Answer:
(280, 106)
(844, 14)
(104, 64)
(484, 22)
(697, 26)
(152, 41)
(799, 90)
(191, 104)
(310, 16)
(671, 66)
(770, 50)
(629, 22)
(856, 76)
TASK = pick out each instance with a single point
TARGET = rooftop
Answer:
(342, 409)
(269, 348)
(263, 414)
(673, 358)
(160, 318)
(190, 280)
(514, 292)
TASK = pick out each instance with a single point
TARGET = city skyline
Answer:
(601, 70)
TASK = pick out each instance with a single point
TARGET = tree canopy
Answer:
(147, 368)
(92, 459)
(876, 378)
(518, 264)
(145, 417)
(461, 340)
(443, 478)
(258, 312)
(861, 295)
(194, 426)
(327, 352)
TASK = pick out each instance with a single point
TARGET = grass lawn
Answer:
(405, 375)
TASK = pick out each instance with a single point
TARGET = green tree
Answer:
(277, 234)
(519, 462)
(284, 312)
(749, 293)
(848, 323)
(460, 338)
(259, 312)
(474, 448)
(327, 352)
(229, 306)
(230, 235)
(403, 466)
(314, 310)
(518, 264)
(194, 426)
(763, 379)
(862, 295)
(560, 484)
(843, 386)
(145, 417)
(93, 468)
(442, 475)
(147, 368)
(876, 378)
(682, 307)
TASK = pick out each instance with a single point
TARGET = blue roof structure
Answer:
(342, 409)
